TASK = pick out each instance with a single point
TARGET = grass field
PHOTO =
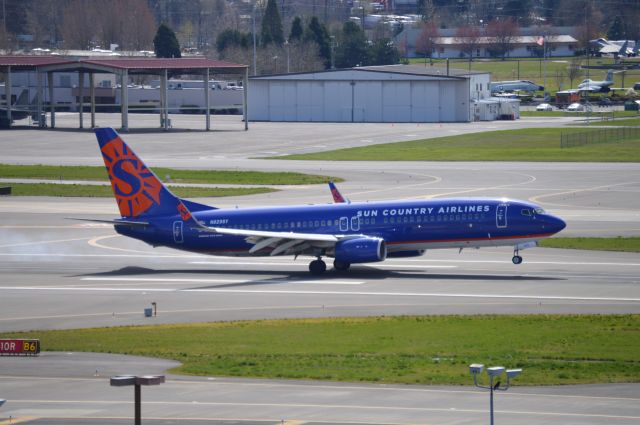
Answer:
(76, 190)
(414, 350)
(165, 174)
(533, 69)
(509, 145)
(599, 244)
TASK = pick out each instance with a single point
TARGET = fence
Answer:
(606, 135)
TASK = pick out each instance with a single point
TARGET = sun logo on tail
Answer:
(135, 187)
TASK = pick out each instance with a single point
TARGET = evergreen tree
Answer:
(383, 52)
(296, 30)
(616, 31)
(318, 33)
(165, 43)
(352, 48)
(272, 25)
(232, 38)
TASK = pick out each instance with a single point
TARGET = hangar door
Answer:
(425, 101)
(280, 96)
(309, 101)
(396, 101)
(367, 101)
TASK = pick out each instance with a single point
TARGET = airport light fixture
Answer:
(137, 381)
(494, 374)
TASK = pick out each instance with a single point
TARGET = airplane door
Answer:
(501, 216)
(355, 223)
(177, 232)
(344, 224)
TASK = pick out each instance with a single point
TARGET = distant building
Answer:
(391, 93)
(447, 45)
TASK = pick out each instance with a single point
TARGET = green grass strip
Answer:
(540, 144)
(76, 190)
(552, 349)
(597, 244)
(165, 174)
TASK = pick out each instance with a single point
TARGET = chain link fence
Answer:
(606, 135)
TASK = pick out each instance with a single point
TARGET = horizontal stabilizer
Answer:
(114, 222)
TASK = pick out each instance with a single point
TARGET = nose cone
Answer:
(541, 88)
(556, 224)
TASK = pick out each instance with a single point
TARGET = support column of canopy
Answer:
(52, 108)
(8, 95)
(41, 122)
(164, 104)
(124, 99)
(81, 99)
(245, 106)
(92, 97)
(207, 104)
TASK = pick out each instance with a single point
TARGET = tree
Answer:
(352, 46)
(272, 25)
(616, 30)
(165, 43)
(426, 41)
(296, 30)
(426, 10)
(574, 70)
(232, 38)
(78, 29)
(469, 39)
(318, 33)
(383, 52)
(502, 33)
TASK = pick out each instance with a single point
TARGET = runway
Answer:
(58, 273)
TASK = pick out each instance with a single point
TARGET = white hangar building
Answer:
(391, 93)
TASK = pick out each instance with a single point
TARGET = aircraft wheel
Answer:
(516, 259)
(340, 265)
(317, 267)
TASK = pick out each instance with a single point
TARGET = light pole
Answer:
(253, 33)
(494, 374)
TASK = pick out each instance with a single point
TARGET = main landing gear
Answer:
(517, 259)
(317, 267)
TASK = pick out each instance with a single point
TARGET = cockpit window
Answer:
(538, 211)
(526, 211)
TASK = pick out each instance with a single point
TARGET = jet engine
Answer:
(361, 250)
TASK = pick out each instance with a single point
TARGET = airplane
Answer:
(597, 86)
(351, 233)
(518, 85)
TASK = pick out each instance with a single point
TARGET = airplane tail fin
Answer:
(337, 196)
(609, 75)
(138, 191)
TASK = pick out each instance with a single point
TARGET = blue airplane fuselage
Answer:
(403, 225)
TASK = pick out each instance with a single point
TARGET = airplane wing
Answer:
(286, 243)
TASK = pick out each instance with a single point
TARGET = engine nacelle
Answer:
(361, 250)
(406, 254)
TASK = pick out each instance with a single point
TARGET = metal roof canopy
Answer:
(122, 67)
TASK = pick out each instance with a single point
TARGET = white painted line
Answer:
(340, 293)
(191, 280)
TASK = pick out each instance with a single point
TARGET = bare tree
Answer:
(469, 39)
(426, 41)
(574, 70)
(140, 27)
(502, 33)
(79, 24)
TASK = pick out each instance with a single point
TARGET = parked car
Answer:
(576, 107)
(544, 107)
(604, 101)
